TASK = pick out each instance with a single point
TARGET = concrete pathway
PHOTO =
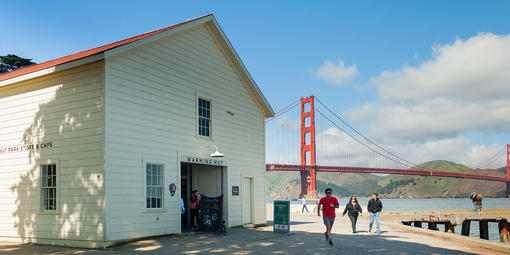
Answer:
(307, 237)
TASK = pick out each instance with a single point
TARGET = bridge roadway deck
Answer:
(348, 169)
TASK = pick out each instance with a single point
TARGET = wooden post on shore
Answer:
(448, 227)
(433, 226)
(504, 228)
(484, 229)
(417, 224)
(466, 226)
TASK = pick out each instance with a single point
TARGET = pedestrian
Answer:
(194, 208)
(473, 198)
(374, 208)
(329, 204)
(352, 209)
(478, 202)
(183, 210)
(303, 202)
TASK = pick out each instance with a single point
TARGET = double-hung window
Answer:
(204, 117)
(49, 187)
(154, 186)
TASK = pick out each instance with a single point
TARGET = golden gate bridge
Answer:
(312, 138)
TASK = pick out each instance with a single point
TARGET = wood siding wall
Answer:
(65, 108)
(151, 116)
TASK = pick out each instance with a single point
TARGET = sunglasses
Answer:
(327, 193)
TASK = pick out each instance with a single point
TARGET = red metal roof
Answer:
(86, 53)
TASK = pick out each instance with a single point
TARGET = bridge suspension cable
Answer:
(492, 159)
(360, 134)
(346, 146)
(359, 141)
(284, 110)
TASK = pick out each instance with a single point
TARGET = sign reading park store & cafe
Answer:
(26, 147)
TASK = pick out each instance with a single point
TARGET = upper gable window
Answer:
(204, 117)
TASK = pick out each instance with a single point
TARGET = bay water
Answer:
(428, 204)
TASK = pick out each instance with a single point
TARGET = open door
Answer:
(247, 197)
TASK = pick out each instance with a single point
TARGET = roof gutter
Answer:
(53, 69)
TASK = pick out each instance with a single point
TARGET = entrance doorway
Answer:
(185, 194)
(247, 197)
(208, 180)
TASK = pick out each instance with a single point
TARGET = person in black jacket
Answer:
(374, 207)
(352, 209)
(473, 198)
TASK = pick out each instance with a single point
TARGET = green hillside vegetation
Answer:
(443, 166)
(285, 185)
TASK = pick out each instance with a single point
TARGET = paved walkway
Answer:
(307, 237)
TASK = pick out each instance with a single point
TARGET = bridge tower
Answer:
(508, 170)
(308, 178)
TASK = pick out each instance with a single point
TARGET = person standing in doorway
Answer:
(353, 209)
(328, 204)
(183, 210)
(194, 208)
(374, 208)
(303, 202)
(473, 198)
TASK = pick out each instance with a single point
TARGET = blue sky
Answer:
(282, 43)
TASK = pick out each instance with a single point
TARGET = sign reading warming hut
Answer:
(281, 216)
(204, 161)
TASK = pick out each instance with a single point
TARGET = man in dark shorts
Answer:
(329, 204)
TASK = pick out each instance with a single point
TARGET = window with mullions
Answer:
(49, 187)
(204, 117)
(154, 186)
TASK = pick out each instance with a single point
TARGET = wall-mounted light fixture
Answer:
(216, 154)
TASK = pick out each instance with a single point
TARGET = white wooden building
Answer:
(90, 142)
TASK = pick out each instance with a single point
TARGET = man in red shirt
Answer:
(329, 204)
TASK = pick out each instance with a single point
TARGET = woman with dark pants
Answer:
(352, 209)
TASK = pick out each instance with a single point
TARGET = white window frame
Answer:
(40, 163)
(144, 193)
(197, 101)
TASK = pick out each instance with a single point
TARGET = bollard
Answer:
(504, 227)
(466, 226)
(448, 227)
(417, 224)
(433, 226)
(484, 229)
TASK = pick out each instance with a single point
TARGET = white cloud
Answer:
(427, 112)
(336, 148)
(464, 87)
(337, 74)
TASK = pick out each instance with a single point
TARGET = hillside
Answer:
(285, 185)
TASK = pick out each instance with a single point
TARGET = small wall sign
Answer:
(172, 189)
(235, 190)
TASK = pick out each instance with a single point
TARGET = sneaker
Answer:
(330, 242)
(369, 230)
